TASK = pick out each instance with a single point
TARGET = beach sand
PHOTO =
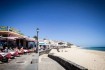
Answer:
(91, 59)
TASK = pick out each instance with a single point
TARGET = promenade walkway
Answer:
(20, 63)
(24, 63)
(33, 65)
(46, 63)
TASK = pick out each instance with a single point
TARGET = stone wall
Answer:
(44, 52)
(68, 65)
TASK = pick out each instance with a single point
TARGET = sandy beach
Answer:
(91, 59)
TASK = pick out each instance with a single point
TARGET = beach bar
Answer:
(11, 38)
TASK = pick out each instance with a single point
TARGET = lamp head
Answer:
(37, 29)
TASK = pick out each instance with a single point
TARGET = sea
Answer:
(95, 48)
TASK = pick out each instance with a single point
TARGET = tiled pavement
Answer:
(20, 63)
(45, 63)
(24, 63)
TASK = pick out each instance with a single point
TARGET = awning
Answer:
(42, 43)
(30, 39)
(13, 38)
(10, 38)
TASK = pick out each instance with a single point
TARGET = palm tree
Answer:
(44, 39)
(35, 37)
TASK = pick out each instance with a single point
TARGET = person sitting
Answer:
(6, 49)
(21, 50)
(0, 50)
(16, 49)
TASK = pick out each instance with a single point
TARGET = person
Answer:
(16, 49)
(6, 49)
(58, 49)
(34, 49)
(0, 51)
(21, 50)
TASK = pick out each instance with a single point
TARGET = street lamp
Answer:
(37, 50)
(37, 30)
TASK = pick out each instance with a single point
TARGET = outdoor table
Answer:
(5, 56)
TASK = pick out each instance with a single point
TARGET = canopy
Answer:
(11, 38)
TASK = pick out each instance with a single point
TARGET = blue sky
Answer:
(81, 22)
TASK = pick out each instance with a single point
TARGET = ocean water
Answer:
(95, 48)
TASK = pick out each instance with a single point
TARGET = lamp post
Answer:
(7, 36)
(37, 50)
(37, 30)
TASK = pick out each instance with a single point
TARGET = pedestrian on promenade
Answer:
(58, 49)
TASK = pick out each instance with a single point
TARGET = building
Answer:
(11, 38)
(56, 43)
(44, 44)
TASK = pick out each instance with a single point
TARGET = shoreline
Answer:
(91, 59)
(92, 49)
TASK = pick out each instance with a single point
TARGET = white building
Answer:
(73, 46)
(52, 43)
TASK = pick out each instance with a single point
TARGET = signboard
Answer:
(6, 28)
(3, 28)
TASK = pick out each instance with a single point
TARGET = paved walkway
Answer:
(19, 63)
(45, 63)
(24, 63)
(33, 63)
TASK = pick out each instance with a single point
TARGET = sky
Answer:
(81, 22)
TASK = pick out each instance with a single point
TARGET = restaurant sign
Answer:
(6, 28)
(3, 28)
